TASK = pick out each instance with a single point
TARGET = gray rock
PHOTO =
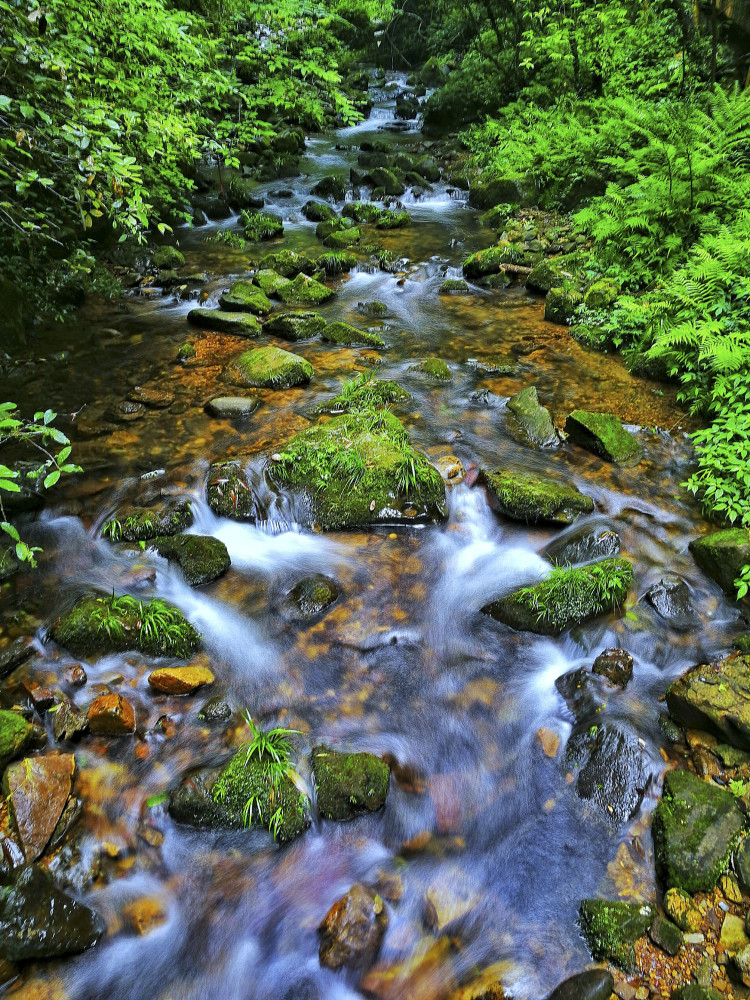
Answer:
(531, 422)
(666, 935)
(670, 598)
(309, 598)
(583, 543)
(232, 407)
(610, 767)
(614, 664)
(595, 984)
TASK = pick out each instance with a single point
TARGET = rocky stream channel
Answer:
(511, 750)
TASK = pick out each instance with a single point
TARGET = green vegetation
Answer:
(567, 593)
(366, 393)
(261, 226)
(145, 524)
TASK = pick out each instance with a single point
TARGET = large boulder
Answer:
(501, 190)
(352, 930)
(611, 928)
(722, 555)
(695, 828)
(140, 525)
(229, 493)
(346, 335)
(269, 368)
(670, 598)
(37, 789)
(200, 557)
(535, 500)
(287, 263)
(245, 296)
(603, 434)
(348, 783)
(305, 291)
(584, 543)
(241, 324)
(15, 736)
(610, 769)
(561, 305)
(531, 422)
(715, 697)
(296, 326)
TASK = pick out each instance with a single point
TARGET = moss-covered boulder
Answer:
(336, 262)
(269, 282)
(305, 291)
(513, 190)
(330, 187)
(168, 257)
(287, 263)
(261, 226)
(535, 500)
(308, 599)
(363, 394)
(318, 211)
(362, 211)
(241, 324)
(545, 275)
(566, 598)
(200, 557)
(529, 421)
(561, 305)
(715, 697)
(360, 469)
(453, 286)
(603, 434)
(722, 554)
(245, 296)
(346, 335)
(269, 368)
(373, 309)
(434, 368)
(348, 783)
(15, 736)
(382, 177)
(139, 525)
(342, 239)
(611, 928)
(486, 262)
(296, 326)
(229, 493)
(695, 828)
(602, 294)
(99, 625)
(392, 220)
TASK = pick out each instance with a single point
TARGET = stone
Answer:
(614, 664)
(454, 286)
(269, 368)
(229, 493)
(532, 421)
(309, 598)
(305, 291)
(742, 864)
(330, 187)
(425, 973)
(149, 395)
(186, 353)
(733, 936)
(595, 984)
(695, 992)
(111, 715)
(287, 263)
(549, 742)
(609, 762)
(535, 500)
(261, 225)
(141, 524)
(15, 735)
(602, 434)
(215, 710)
(180, 680)
(346, 335)
(722, 555)
(232, 407)
(695, 828)
(352, 930)
(37, 920)
(37, 789)
(13, 654)
(434, 368)
(740, 965)
(348, 783)
(670, 598)
(602, 294)
(611, 928)
(318, 211)
(546, 275)
(561, 305)
(245, 296)
(68, 722)
(241, 324)
(145, 915)
(715, 697)
(168, 257)
(296, 326)
(584, 543)
(201, 558)
(485, 262)
(125, 412)
(665, 935)
(373, 309)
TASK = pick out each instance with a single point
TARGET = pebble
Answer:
(694, 939)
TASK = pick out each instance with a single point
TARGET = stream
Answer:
(480, 817)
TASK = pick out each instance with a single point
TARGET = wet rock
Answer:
(546, 275)
(353, 929)
(670, 598)
(142, 525)
(535, 500)
(492, 366)
(270, 283)
(126, 412)
(693, 991)
(671, 731)
(215, 710)
(318, 211)
(180, 680)
(561, 305)
(715, 697)
(609, 763)
(42, 696)
(309, 598)
(448, 900)
(453, 286)
(186, 353)
(168, 257)
(287, 263)
(232, 407)
(572, 597)
(616, 665)
(111, 715)
(733, 936)
(37, 789)
(229, 493)
(296, 326)
(695, 828)
(346, 335)
(485, 262)
(69, 722)
(375, 310)
(261, 226)
(531, 421)
(348, 783)
(612, 928)
(722, 554)
(240, 324)
(269, 368)
(200, 557)
(602, 434)
(382, 177)
(584, 543)
(682, 911)
(37, 920)
(595, 984)
(434, 368)
(245, 296)
(157, 399)
(15, 735)
(742, 864)
(330, 187)
(342, 239)
(426, 973)
(665, 935)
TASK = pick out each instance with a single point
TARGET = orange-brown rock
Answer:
(353, 929)
(111, 715)
(145, 915)
(427, 974)
(38, 788)
(180, 680)
(486, 986)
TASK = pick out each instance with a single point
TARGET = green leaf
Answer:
(51, 479)
(156, 800)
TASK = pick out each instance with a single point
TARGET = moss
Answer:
(336, 262)
(497, 217)
(612, 927)
(244, 296)
(15, 736)
(228, 492)
(343, 239)
(309, 598)
(261, 226)
(487, 261)
(454, 286)
(531, 421)
(287, 263)
(167, 257)
(364, 393)
(269, 282)
(116, 624)
(373, 309)
(269, 368)
(536, 500)
(392, 220)
(296, 326)
(305, 291)
(360, 469)
(362, 211)
(434, 368)
(722, 554)
(201, 558)
(141, 525)
(603, 434)
(330, 187)
(561, 305)
(348, 783)
(386, 179)
(602, 294)
(545, 275)
(346, 335)
(186, 353)
(239, 323)
(318, 211)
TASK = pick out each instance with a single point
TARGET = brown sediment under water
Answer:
(489, 846)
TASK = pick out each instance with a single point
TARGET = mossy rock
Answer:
(500, 190)
(500, 280)
(296, 326)
(722, 554)
(287, 263)
(305, 291)
(200, 557)
(343, 239)
(603, 434)
(117, 624)
(229, 493)
(261, 226)
(611, 928)
(269, 282)
(695, 828)
(360, 469)
(309, 598)
(362, 211)
(486, 262)
(186, 353)
(392, 220)
(453, 286)
(336, 262)
(141, 525)
(561, 305)
(241, 324)
(318, 211)
(433, 73)
(15, 736)
(168, 257)
(346, 335)
(566, 598)
(269, 368)
(244, 296)
(386, 179)
(348, 784)
(530, 421)
(545, 275)
(434, 368)
(330, 187)
(373, 309)
(364, 395)
(335, 225)
(715, 697)
(536, 500)
(602, 294)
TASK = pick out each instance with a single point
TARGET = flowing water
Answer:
(403, 665)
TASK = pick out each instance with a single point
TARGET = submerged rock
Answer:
(229, 493)
(215, 710)
(245, 296)
(584, 543)
(348, 783)
(611, 928)
(309, 598)
(609, 763)
(614, 664)
(353, 929)
(434, 368)
(37, 789)
(296, 326)
(142, 525)
(695, 828)
(535, 500)
(532, 421)
(346, 335)
(37, 920)
(241, 324)
(15, 736)
(180, 680)
(200, 557)
(670, 598)
(603, 434)
(715, 697)
(232, 407)
(269, 368)
(595, 984)
(722, 555)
